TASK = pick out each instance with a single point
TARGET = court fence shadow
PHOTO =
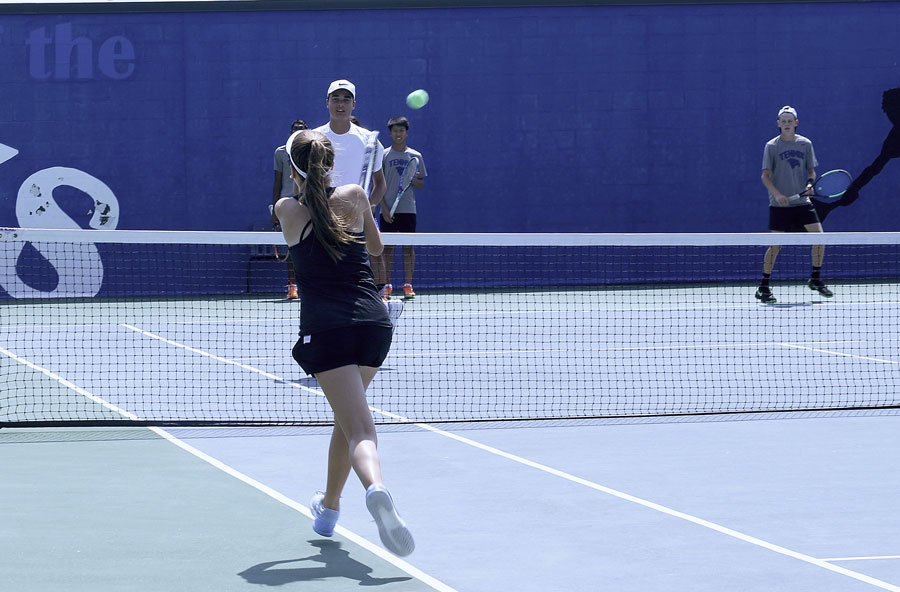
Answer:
(335, 563)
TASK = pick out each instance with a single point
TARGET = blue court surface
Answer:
(802, 500)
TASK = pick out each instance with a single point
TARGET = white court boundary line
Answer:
(861, 558)
(843, 354)
(227, 469)
(821, 563)
(52, 375)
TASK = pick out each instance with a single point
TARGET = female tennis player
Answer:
(345, 330)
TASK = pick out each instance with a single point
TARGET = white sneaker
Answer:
(324, 518)
(391, 528)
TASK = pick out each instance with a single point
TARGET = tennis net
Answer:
(167, 328)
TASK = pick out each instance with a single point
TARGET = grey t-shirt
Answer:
(283, 164)
(393, 166)
(790, 163)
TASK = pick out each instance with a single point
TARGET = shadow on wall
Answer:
(890, 149)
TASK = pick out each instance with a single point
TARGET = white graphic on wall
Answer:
(78, 266)
(7, 152)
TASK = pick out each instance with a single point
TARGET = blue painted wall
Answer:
(611, 119)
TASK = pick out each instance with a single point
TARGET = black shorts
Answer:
(793, 218)
(362, 345)
(401, 223)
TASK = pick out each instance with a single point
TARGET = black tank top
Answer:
(335, 294)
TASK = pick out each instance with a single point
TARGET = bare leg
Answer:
(388, 257)
(818, 255)
(338, 469)
(353, 441)
(769, 259)
(409, 262)
(818, 251)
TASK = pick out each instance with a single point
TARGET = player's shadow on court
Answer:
(335, 563)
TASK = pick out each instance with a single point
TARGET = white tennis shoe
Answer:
(324, 518)
(391, 528)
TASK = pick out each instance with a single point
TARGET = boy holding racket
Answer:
(404, 219)
(789, 172)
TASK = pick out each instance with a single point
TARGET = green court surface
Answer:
(119, 510)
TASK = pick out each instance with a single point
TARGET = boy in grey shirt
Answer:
(404, 220)
(789, 171)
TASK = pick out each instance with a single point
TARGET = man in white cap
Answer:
(789, 172)
(349, 142)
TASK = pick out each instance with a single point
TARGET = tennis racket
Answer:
(831, 184)
(368, 167)
(406, 179)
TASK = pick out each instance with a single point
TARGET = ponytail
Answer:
(314, 150)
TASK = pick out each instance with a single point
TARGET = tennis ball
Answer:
(417, 99)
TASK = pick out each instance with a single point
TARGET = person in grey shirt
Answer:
(789, 171)
(404, 220)
(284, 187)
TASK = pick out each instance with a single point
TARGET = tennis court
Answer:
(540, 435)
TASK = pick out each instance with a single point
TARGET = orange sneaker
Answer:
(386, 292)
(408, 293)
(292, 292)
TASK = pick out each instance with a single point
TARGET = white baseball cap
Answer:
(341, 85)
(787, 109)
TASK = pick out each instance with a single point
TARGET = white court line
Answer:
(526, 462)
(861, 558)
(798, 345)
(217, 358)
(654, 308)
(274, 494)
(846, 355)
(422, 315)
(115, 324)
(52, 375)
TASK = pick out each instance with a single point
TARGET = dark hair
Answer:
(298, 125)
(313, 154)
(355, 121)
(398, 121)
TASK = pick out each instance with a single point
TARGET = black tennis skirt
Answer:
(361, 345)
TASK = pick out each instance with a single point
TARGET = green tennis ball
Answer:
(417, 99)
